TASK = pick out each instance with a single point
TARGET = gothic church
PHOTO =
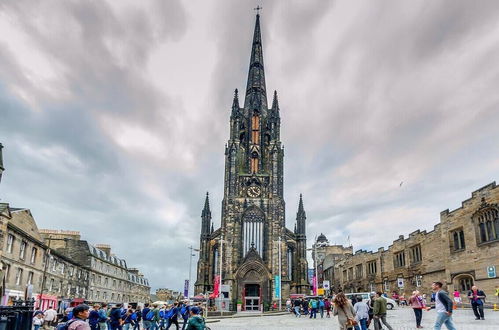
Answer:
(253, 220)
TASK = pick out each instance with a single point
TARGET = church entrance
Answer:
(252, 297)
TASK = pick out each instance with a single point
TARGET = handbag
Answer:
(351, 322)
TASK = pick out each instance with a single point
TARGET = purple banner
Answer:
(186, 289)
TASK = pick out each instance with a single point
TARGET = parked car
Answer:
(390, 303)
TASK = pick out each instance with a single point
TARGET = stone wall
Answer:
(438, 260)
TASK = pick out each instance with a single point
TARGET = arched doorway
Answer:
(253, 283)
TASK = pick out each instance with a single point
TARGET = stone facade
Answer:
(58, 273)
(253, 221)
(458, 252)
(109, 278)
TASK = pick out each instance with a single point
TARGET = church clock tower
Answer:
(253, 208)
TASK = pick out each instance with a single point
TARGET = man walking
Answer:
(443, 306)
(313, 308)
(476, 298)
(297, 306)
(50, 317)
(379, 312)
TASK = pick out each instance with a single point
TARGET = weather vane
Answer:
(258, 8)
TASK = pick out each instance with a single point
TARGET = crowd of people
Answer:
(119, 317)
(357, 313)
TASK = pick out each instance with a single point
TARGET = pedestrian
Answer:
(297, 305)
(327, 306)
(321, 307)
(49, 318)
(93, 318)
(172, 316)
(137, 318)
(115, 318)
(146, 322)
(362, 314)
(313, 308)
(155, 317)
(344, 309)
(457, 297)
(103, 317)
(196, 322)
(379, 312)
(128, 319)
(417, 303)
(370, 303)
(288, 305)
(396, 297)
(443, 306)
(184, 312)
(37, 320)
(304, 305)
(79, 320)
(477, 298)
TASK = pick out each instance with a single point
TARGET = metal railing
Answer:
(18, 316)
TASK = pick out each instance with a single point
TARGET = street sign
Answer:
(491, 272)
(320, 292)
(400, 282)
(325, 285)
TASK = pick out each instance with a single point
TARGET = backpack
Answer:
(149, 315)
(170, 313)
(65, 326)
(314, 303)
(184, 311)
(134, 316)
(162, 314)
(321, 303)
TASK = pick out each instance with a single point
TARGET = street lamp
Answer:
(314, 251)
(190, 268)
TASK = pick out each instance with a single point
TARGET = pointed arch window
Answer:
(253, 223)
(254, 162)
(255, 129)
(488, 225)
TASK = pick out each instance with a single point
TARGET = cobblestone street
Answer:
(402, 319)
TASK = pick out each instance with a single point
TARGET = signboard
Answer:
(325, 285)
(400, 282)
(186, 288)
(320, 292)
(491, 272)
(277, 286)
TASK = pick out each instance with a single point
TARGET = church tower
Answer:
(253, 209)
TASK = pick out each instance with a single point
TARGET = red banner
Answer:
(216, 287)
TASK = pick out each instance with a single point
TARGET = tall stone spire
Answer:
(256, 95)
(301, 216)
(235, 103)
(206, 216)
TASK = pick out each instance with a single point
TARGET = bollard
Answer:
(495, 308)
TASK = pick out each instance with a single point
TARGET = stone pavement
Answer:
(399, 319)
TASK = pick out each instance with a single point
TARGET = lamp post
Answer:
(280, 274)
(190, 268)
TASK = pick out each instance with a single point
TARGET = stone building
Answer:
(28, 263)
(253, 221)
(325, 255)
(110, 279)
(462, 250)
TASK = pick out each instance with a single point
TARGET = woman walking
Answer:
(417, 303)
(344, 309)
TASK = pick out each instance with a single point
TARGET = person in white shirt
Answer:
(50, 316)
(362, 313)
(443, 305)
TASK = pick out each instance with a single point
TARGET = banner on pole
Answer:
(186, 289)
(325, 285)
(216, 287)
(277, 286)
(314, 279)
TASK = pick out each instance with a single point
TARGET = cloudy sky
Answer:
(114, 115)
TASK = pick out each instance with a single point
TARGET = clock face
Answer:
(254, 191)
